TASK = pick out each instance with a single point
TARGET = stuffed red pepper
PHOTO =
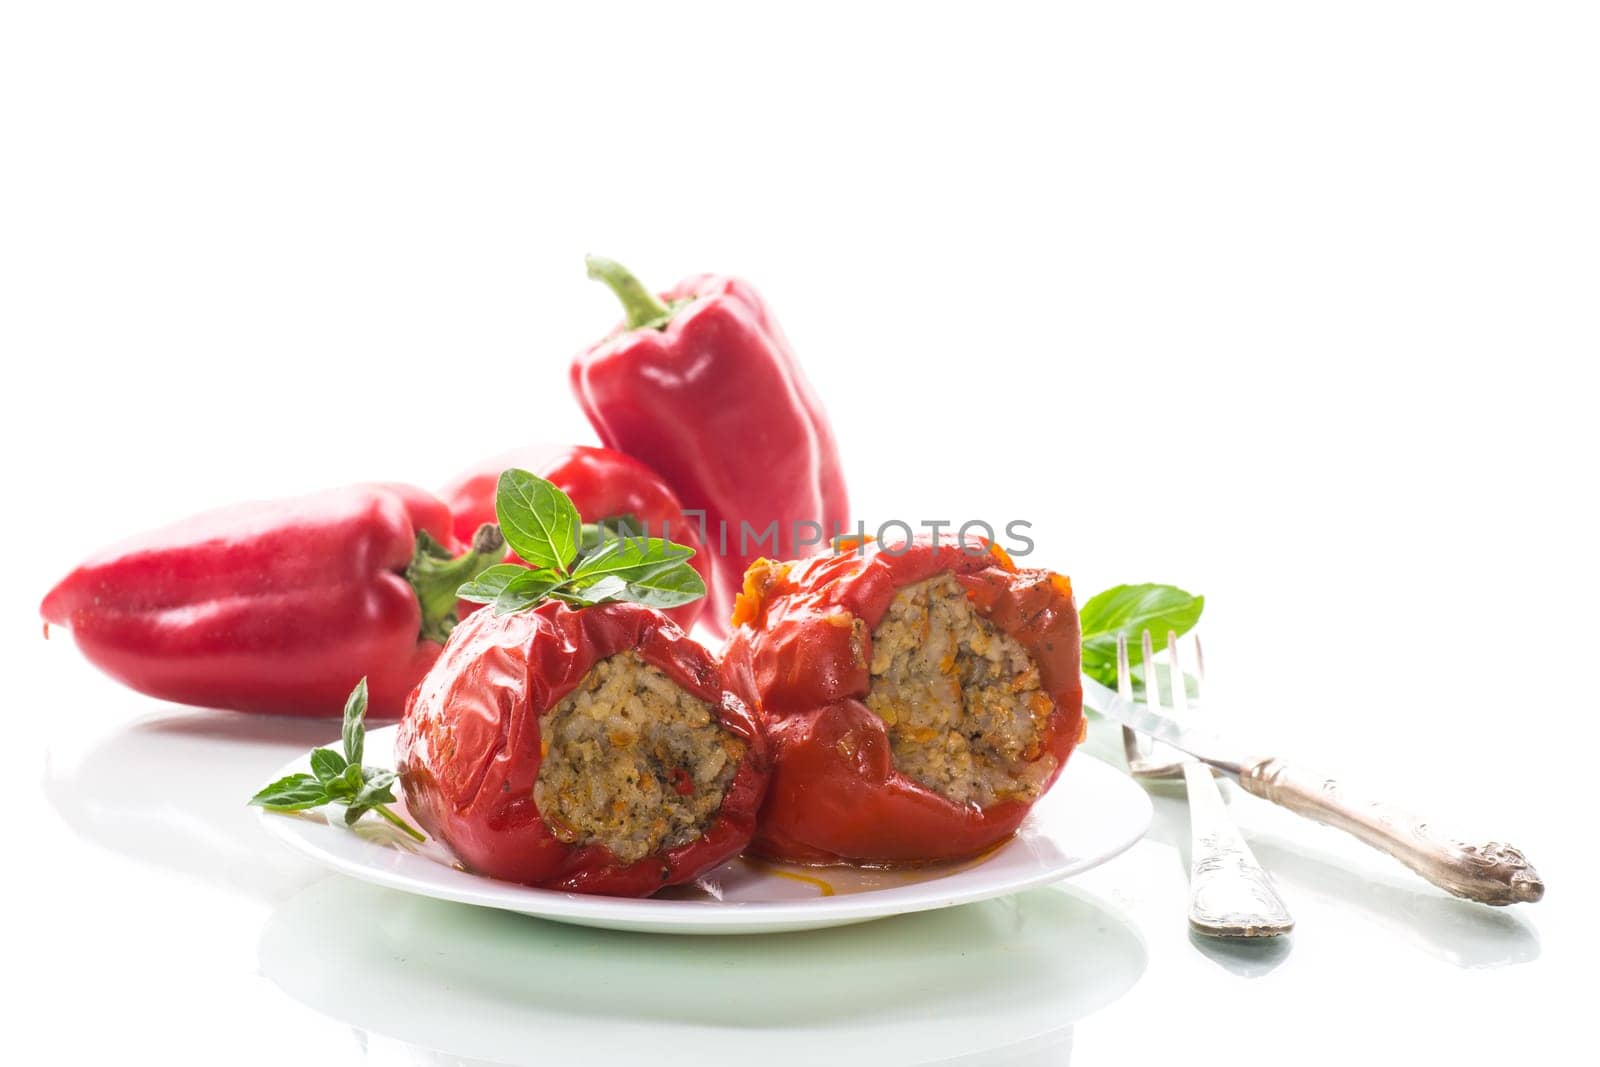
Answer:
(918, 697)
(591, 750)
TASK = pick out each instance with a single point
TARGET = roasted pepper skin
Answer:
(715, 402)
(601, 483)
(800, 655)
(469, 748)
(276, 606)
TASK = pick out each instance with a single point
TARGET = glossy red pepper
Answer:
(800, 655)
(701, 386)
(602, 485)
(470, 750)
(277, 606)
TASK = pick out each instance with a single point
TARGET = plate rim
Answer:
(688, 915)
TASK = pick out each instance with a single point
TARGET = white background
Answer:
(1293, 305)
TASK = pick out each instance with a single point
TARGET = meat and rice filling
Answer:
(961, 700)
(632, 761)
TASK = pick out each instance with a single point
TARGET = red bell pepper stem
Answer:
(644, 309)
(436, 576)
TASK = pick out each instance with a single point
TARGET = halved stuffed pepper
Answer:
(592, 750)
(918, 697)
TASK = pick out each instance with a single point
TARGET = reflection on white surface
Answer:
(172, 789)
(1003, 980)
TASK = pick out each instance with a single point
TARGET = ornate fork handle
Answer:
(1493, 873)
(1230, 894)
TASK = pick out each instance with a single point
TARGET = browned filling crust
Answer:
(961, 700)
(632, 761)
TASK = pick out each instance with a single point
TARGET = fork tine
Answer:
(1131, 745)
(1175, 681)
(1152, 681)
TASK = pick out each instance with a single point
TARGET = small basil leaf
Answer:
(525, 590)
(371, 796)
(293, 793)
(572, 598)
(599, 590)
(326, 764)
(347, 785)
(355, 714)
(378, 789)
(491, 583)
(538, 520)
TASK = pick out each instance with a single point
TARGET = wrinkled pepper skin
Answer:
(716, 403)
(800, 655)
(469, 747)
(602, 484)
(275, 606)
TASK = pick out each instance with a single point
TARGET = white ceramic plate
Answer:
(1093, 813)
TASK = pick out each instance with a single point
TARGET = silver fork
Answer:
(1230, 893)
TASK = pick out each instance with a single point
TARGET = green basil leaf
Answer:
(491, 583)
(1130, 610)
(327, 764)
(373, 795)
(526, 590)
(667, 586)
(378, 789)
(355, 730)
(347, 785)
(293, 793)
(538, 520)
(596, 591)
(628, 556)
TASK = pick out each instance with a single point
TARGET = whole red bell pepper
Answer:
(602, 484)
(470, 746)
(701, 385)
(800, 654)
(277, 606)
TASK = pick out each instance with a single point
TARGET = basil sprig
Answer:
(339, 778)
(577, 564)
(1129, 610)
